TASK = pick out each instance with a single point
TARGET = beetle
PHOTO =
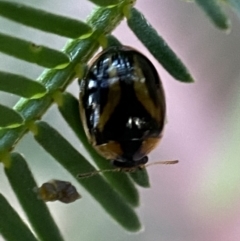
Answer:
(122, 106)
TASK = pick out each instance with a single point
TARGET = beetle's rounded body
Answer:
(122, 106)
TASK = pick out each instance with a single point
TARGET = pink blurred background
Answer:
(195, 200)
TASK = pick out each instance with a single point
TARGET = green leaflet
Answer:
(158, 47)
(12, 227)
(9, 118)
(23, 183)
(43, 20)
(140, 177)
(20, 85)
(214, 11)
(32, 52)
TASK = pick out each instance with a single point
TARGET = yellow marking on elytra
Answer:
(114, 95)
(110, 150)
(149, 144)
(142, 93)
(90, 138)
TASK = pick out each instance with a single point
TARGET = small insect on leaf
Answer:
(56, 190)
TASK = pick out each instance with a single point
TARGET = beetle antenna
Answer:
(161, 162)
(118, 169)
(93, 173)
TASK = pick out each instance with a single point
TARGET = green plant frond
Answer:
(23, 184)
(20, 85)
(43, 20)
(121, 194)
(9, 117)
(12, 227)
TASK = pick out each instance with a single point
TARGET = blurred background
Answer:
(195, 200)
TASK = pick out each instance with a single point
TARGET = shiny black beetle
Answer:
(122, 106)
